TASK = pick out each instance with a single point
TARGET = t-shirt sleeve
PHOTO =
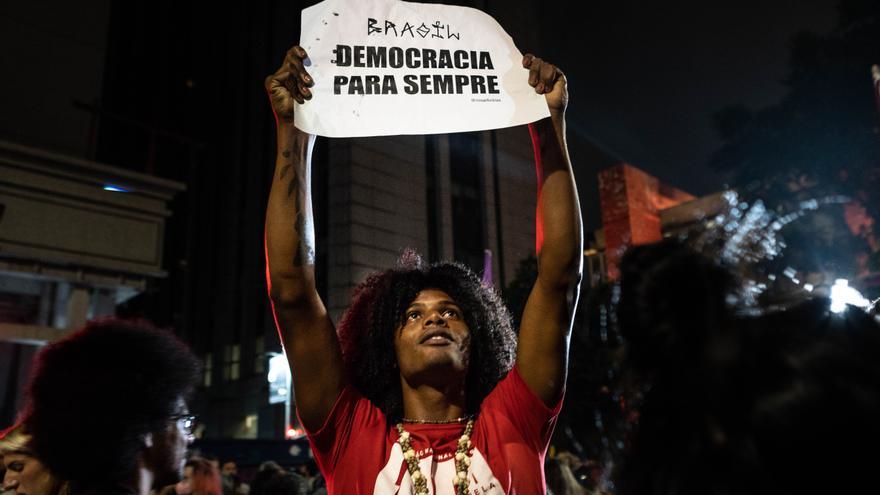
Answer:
(513, 399)
(351, 413)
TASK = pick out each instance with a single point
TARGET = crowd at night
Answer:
(460, 247)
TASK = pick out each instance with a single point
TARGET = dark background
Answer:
(175, 89)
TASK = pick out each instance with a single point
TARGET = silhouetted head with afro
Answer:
(772, 401)
(107, 400)
(378, 351)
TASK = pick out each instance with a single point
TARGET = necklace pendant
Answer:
(461, 460)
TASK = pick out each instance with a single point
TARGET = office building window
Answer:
(232, 362)
(260, 355)
(468, 231)
(208, 369)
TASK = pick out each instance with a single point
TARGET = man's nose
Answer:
(435, 318)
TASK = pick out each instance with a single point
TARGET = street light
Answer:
(280, 389)
(842, 294)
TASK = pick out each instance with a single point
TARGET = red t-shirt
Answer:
(358, 452)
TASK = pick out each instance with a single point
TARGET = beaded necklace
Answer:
(462, 460)
(462, 419)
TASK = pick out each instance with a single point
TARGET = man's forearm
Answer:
(558, 217)
(290, 235)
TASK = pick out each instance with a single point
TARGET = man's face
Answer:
(167, 456)
(26, 475)
(433, 337)
(229, 469)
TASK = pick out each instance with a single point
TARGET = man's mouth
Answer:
(437, 337)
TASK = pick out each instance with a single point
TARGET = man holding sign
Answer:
(424, 388)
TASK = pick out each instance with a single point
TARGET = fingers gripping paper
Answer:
(385, 67)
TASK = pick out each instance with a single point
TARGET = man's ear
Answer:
(148, 440)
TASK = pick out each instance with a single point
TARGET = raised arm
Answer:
(306, 330)
(542, 354)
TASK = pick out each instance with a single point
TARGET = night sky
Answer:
(646, 77)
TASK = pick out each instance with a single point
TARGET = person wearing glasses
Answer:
(107, 407)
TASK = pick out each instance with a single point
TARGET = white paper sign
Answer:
(385, 67)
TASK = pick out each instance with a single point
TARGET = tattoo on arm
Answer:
(287, 166)
(301, 254)
(293, 186)
(299, 223)
(287, 169)
(304, 253)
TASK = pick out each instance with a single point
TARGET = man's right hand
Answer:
(289, 84)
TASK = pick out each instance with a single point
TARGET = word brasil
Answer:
(422, 30)
(413, 58)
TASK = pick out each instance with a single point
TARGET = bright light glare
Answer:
(842, 294)
(278, 369)
(111, 187)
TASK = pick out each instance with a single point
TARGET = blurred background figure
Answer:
(286, 484)
(232, 484)
(23, 473)
(107, 407)
(560, 478)
(200, 477)
(741, 400)
(272, 479)
(267, 471)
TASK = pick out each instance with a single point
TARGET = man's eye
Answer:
(450, 313)
(16, 466)
(412, 315)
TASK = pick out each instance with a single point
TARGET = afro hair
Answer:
(95, 393)
(366, 331)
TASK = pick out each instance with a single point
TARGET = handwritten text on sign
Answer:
(388, 67)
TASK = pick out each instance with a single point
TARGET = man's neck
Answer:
(431, 403)
(143, 481)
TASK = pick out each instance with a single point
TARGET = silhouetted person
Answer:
(785, 402)
(107, 407)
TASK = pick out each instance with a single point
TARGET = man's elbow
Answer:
(287, 291)
(560, 271)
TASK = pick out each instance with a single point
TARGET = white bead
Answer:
(462, 475)
(416, 475)
(409, 454)
(465, 438)
(467, 461)
(404, 435)
(459, 456)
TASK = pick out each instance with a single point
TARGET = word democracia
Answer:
(413, 58)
